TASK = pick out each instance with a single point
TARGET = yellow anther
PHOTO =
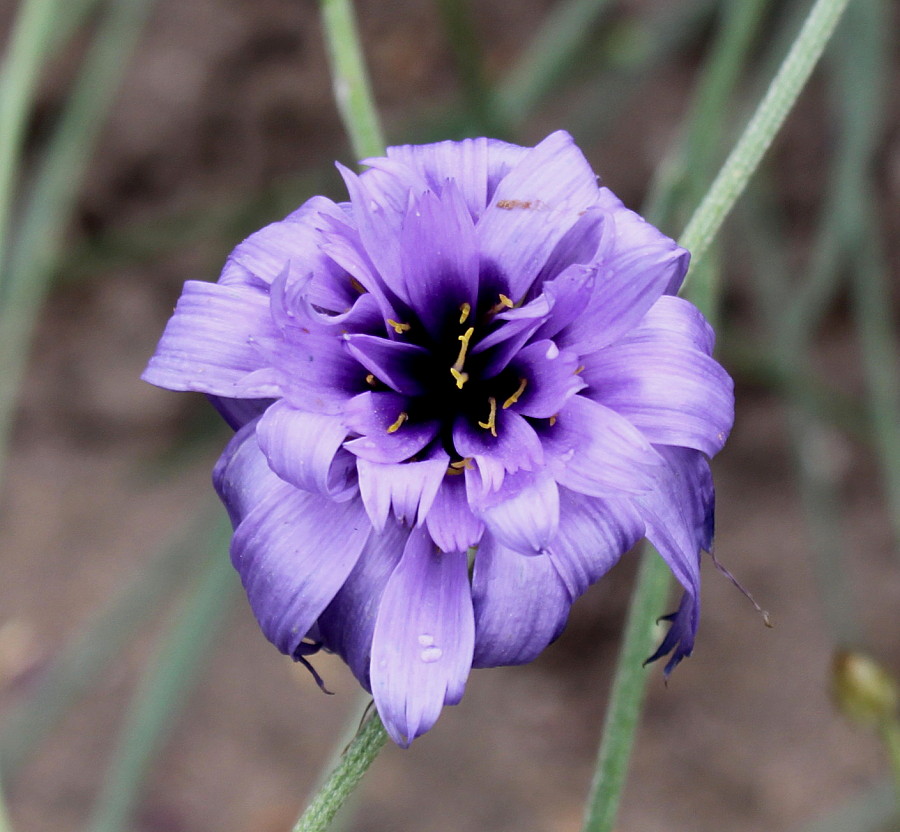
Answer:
(454, 472)
(371, 380)
(464, 312)
(579, 370)
(461, 358)
(504, 303)
(358, 286)
(400, 420)
(491, 423)
(523, 383)
(461, 378)
(461, 464)
(552, 421)
(397, 327)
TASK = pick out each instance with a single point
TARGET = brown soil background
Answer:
(229, 96)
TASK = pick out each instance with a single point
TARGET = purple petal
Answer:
(593, 534)
(410, 487)
(675, 320)
(551, 379)
(399, 365)
(523, 514)
(675, 395)
(515, 446)
(520, 603)
(242, 476)
(305, 450)
(347, 624)
(423, 641)
(534, 206)
(516, 327)
(291, 562)
(476, 165)
(211, 341)
(372, 415)
(568, 294)
(594, 451)
(237, 412)
(440, 258)
(579, 246)
(266, 253)
(451, 523)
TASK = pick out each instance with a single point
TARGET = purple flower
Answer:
(481, 351)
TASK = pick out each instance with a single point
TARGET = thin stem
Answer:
(350, 79)
(629, 682)
(627, 695)
(890, 734)
(764, 125)
(354, 763)
(17, 84)
(165, 685)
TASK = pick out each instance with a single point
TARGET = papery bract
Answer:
(481, 350)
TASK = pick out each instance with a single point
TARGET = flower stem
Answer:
(763, 126)
(354, 763)
(352, 90)
(627, 695)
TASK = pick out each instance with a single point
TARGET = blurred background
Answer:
(136, 692)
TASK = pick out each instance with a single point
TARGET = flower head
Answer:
(481, 351)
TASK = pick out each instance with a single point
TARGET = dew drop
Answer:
(426, 640)
(431, 654)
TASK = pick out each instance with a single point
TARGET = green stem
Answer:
(890, 734)
(165, 685)
(627, 696)
(350, 80)
(354, 763)
(629, 682)
(17, 85)
(764, 125)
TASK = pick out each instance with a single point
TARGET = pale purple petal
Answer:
(410, 488)
(593, 534)
(675, 395)
(520, 602)
(242, 476)
(422, 651)
(347, 624)
(451, 523)
(515, 446)
(305, 450)
(374, 415)
(292, 563)
(211, 340)
(523, 514)
(594, 451)
(534, 206)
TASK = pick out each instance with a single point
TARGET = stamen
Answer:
(491, 423)
(460, 359)
(397, 327)
(505, 303)
(371, 380)
(580, 369)
(400, 420)
(358, 286)
(465, 462)
(461, 378)
(454, 472)
(464, 311)
(552, 420)
(523, 383)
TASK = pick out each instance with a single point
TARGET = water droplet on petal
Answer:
(431, 654)
(426, 640)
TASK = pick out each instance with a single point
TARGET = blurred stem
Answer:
(477, 94)
(629, 682)
(683, 178)
(163, 690)
(17, 84)
(759, 133)
(350, 78)
(78, 664)
(890, 734)
(627, 694)
(353, 764)
(36, 247)
(548, 58)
